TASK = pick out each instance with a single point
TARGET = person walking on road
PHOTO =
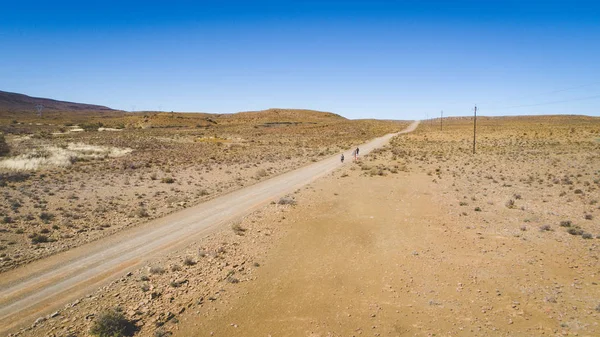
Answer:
(342, 157)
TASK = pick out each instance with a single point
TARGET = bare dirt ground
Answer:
(451, 245)
(420, 238)
(50, 283)
(91, 184)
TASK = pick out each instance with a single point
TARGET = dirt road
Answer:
(44, 286)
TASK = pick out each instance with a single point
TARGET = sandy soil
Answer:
(50, 283)
(408, 254)
(420, 238)
(158, 164)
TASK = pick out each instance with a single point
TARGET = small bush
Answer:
(175, 267)
(261, 173)
(566, 223)
(157, 270)
(46, 217)
(91, 126)
(588, 217)
(477, 209)
(167, 180)
(142, 213)
(39, 238)
(510, 203)
(112, 323)
(238, 229)
(161, 332)
(4, 149)
(188, 261)
(587, 236)
(575, 231)
(287, 201)
(545, 228)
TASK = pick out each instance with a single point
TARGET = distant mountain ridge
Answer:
(14, 102)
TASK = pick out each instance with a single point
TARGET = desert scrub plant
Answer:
(4, 148)
(142, 213)
(189, 261)
(238, 229)
(161, 332)
(545, 228)
(261, 173)
(287, 200)
(167, 180)
(587, 236)
(510, 204)
(156, 270)
(46, 217)
(566, 223)
(91, 126)
(112, 323)
(39, 238)
(575, 231)
(588, 217)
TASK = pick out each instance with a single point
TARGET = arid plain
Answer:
(419, 238)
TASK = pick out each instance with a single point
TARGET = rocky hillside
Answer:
(19, 103)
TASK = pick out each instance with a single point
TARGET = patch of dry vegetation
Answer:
(542, 168)
(94, 183)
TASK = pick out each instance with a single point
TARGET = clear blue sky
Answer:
(360, 59)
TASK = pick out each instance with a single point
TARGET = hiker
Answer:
(342, 157)
(357, 152)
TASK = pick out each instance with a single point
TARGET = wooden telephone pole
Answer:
(474, 127)
(441, 120)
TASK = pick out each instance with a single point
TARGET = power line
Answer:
(551, 102)
(548, 92)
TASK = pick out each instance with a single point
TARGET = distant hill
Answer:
(276, 114)
(23, 104)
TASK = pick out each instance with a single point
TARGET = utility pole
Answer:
(441, 120)
(474, 127)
